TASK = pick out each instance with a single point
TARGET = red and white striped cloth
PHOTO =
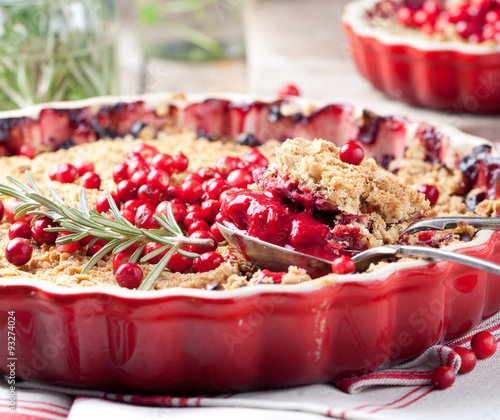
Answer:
(400, 392)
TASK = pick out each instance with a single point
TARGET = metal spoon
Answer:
(277, 258)
(442, 223)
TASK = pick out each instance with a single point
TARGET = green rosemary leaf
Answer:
(19, 185)
(171, 218)
(113, 208)
(56, 197)
(21, 209)
(98, 256)
(155, 253)
(188, 254)
(156, 238)
(116, 226)
(33, 183)
(162, 220)
(66, 239)
(83, 204)
(155, 272)
(138, 252)
(124, 246)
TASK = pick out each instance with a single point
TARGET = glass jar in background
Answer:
(191, 30)
(56, 50)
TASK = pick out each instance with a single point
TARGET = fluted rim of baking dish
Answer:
(459, 141)
(355, 16)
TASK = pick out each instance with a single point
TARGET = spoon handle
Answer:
(370, 256)
(442, 223)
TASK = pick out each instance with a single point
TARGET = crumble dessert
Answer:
(309, 198)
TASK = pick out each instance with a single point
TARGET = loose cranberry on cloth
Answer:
(474, 395)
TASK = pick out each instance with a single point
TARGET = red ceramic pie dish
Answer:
(451, 76)
(187, 341)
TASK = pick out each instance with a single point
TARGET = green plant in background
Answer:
(202, 29)
(55, 50)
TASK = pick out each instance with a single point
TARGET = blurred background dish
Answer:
(56, 50)
(447, 59)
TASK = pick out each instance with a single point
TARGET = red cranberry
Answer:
(2, 209)
(492, 16)
(225, 165)
(126, 190)
(483, 344)
(351, 153)
(70, 247)
(173, 191)
(18, 251)
(343, 265)
(181, 163)
(149, 194)
(468, 359)
(102, 203)
(83, 167)
(289, 90)
(210, 209)
(53, 172)
(215, 187)
(131, 205)
(214, 230)
(420, 18)
(405, 16)
(38, 231)
(179, 263)
(206, 173)
(239, 178)
(200, 249)
(178, 210)
(164, 162)
(128, 215)
(140, 177)
(120, 172)
(191, 191)
(91, 180)
(145, 150)
(121, 258)
(159, 178)
(430, 192)
(207, 261)
(193, 176)
(198, 225)
(191, 218)
(27, 150)
(136, 166)
(94, 249)
(253, 155)
(66, 173)
(11, 216)
(152, 246)
(443, 377)
(196, 208)
(20, 230)
(129, 275)
(144, 217)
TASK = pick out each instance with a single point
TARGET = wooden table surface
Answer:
(288, 41)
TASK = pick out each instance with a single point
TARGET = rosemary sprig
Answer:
(83, 221)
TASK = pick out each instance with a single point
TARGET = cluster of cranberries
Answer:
(68, 173)
(475, 21)
(143, 189)
(483, 345)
